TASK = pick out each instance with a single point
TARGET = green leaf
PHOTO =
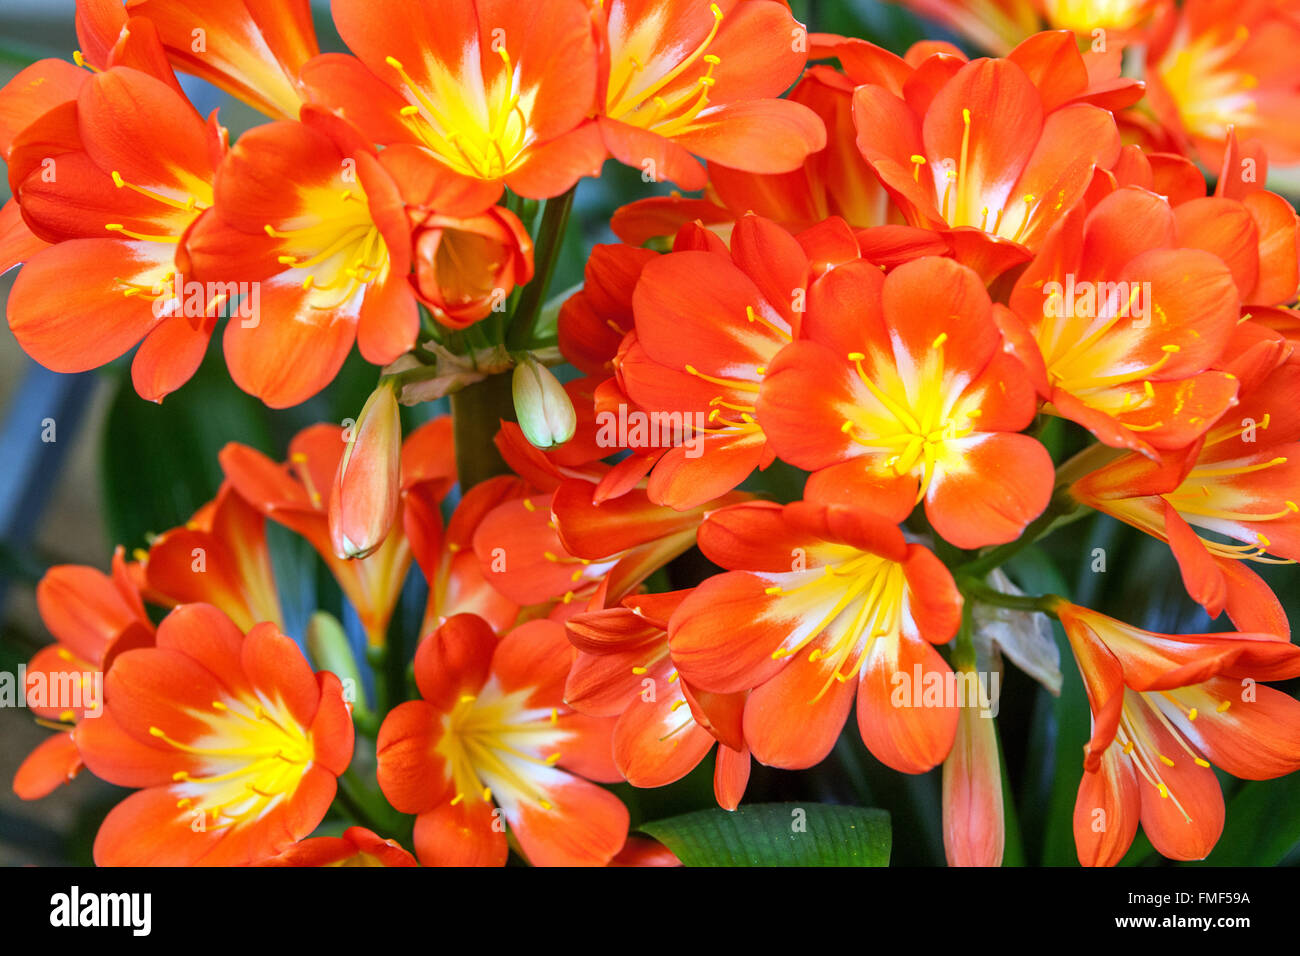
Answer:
(160, 461)
(778, 834)
(1262, 827)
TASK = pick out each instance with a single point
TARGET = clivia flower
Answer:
(253, 49)
(356, 847)
(219, 557)
(994, 25)
(94, 617)
(544, 409)
(974, 830)
(492, 745)
(231, 741)
(990, 153)
(312, 221)
(457, 582)
(1239, 482)
(116, 211)
(1164, 707)
(1216, 65)
(665, 728)
(497, 94)
(297, 495)
(822, 603)
(833, 181)
(685, 77)
(899, 390)
(1130, 326)
(708, 323)
(466, 266)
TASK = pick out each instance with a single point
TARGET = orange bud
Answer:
(973, 827)
(363, 503)
(466, 267)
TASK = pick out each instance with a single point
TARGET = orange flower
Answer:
(709, 321)
(566, 547)
(1120, 20)
(1164, 706)
(1215, 65)
(821, 604)
(994, 25)
(219, 557)
(315, 224)
(357, 847)
(1239, 482)
(1130, 325)
(465, 267)
(296, 494)
(252, 49)
(233, 742)
(899, 391)
(499, 94)
(990, 153)
(457, 583)
(93, 617)
(682, 77)
(665, 728)
(492, 744)
(833, 181)
(133, 172)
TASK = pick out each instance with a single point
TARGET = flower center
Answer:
(340, 253)
(846, 604)
(636, 92)
(913, 424)
(253, 758)
(483, 136)
(496, 745)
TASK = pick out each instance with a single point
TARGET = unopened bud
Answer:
(363, 503)
(542, 406)
(330, 651)
(973, 828)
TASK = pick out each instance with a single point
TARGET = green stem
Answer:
(360, 803)
(550, 239)
(981, 592)
(477, 411)
(1060, 505)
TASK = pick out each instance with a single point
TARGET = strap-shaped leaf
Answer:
(778, 834)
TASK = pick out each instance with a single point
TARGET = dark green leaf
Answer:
(778, 834)
(1263, 825)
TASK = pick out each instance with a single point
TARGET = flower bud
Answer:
(543, 407)
(363, 503)
(465, 267)
(330, 651)
(973, 828)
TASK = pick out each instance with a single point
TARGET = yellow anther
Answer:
(939, 340)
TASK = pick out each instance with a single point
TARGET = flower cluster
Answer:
(955, 302)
